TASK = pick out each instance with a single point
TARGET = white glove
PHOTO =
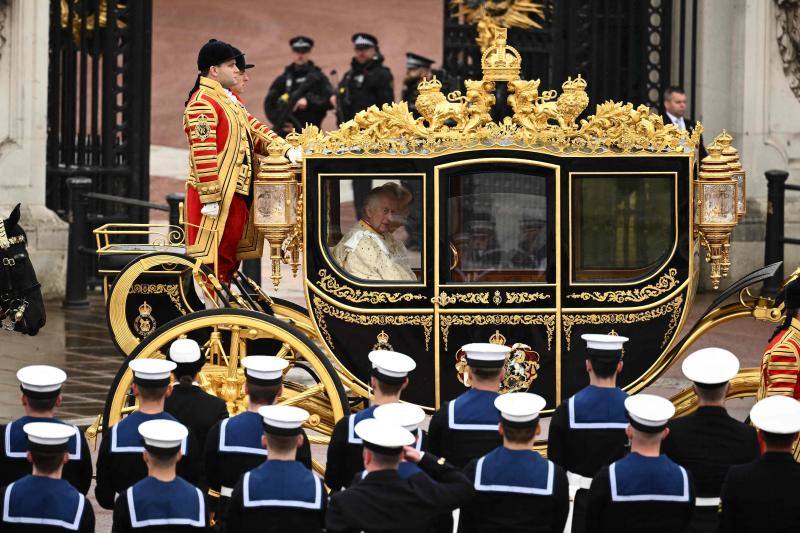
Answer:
(210, 210)
(295, 155)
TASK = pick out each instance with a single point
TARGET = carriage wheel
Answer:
(228, 335)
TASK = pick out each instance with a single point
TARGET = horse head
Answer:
(21, 304)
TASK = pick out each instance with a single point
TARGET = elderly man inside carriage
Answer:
(373, 248)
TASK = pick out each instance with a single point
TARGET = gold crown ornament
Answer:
(501, 62)
(428, 86)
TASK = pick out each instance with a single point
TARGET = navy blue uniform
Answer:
(43, 504)
(639, 493)
(14, 463)
(233, 448)
(515, 490)
(762, 496)
(161, 506)
(708, 443)
(120, 463)
(278, 496)
(344, 451)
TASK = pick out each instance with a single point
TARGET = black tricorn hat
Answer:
(213, 53)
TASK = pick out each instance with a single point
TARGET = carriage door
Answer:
(496, 263)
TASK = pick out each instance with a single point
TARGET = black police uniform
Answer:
(708, 442)
(278, 496)
(120, 463)
(155, 506)
(39, 503)
(296, 82)
(515, 491)
(465, 428)
(587, 432)
(639, 493)
(383, 501)
(234, 448)
(14, 463)
(196, 409)
(762, 496)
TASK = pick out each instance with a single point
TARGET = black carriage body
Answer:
(619, 258)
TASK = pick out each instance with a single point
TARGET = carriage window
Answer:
(623, 226)
(498, 227)
(374, 226)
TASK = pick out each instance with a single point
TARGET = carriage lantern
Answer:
(737, 172)
(276, 195)
(716, 214)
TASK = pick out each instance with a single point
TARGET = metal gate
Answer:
(98, 115)
(622, 47)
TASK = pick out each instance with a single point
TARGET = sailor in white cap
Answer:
(465, 428)
(388, 380)
(709, 441)
(762, 495)
(281, 494)
(188, 403)
(42, 500)
(516, 489)
(587, 431)
(235, 445)
(41, 394)
(162, 501)
(383, 501)
(119, 462)
(409, 416)
(645, 490)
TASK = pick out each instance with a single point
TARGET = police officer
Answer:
(410, 417)
(120, 463)
(281, 494)
(301, 94)
(163, 501)
(762, 495)
(587, 432)
(644, 491)
(43, 500)
(389, 377)
(367, 83)
(466, 428)
(516, 488)
(41, 394)
(234, 445)
(188, 403)
(710, 441)
(383, 501)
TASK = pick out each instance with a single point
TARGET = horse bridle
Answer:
(13, 302)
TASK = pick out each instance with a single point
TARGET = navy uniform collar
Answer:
(352, 420)
(155, 503)
(777, 457)
(598, 408)
(125, 436)
(242, 434)
(16, 441)
(514, 471)
(282, 484)
(474, 410)
(44, 501)
(637, 478)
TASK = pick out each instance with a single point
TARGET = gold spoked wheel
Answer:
(226, 337)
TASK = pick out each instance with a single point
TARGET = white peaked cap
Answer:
(710, 366)
(776, 414)
(41, 378)
(391, 364)
(408, 415)
(595, 341)
(649, 410)
(265, 367)
(152, 369)
(486, 353)
(519, 406)
(184, 351)
(383, 434)
(48, 433)
(162, 433)
(283, 416)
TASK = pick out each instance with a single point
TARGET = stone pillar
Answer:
(24, 29)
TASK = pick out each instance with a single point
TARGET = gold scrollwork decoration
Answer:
(172, 291)
(329, 284)
(446, 321)
(665, 283)
(671, 308)
(322, 310)
(525, 297)
(445, 299)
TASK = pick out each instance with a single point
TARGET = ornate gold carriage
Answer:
(529, 229)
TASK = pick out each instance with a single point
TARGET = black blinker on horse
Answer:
(21, 304)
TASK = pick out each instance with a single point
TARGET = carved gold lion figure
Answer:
(437, 110)
(532, 110)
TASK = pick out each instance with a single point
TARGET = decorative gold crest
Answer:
(202, 128)
(144, 324)
(383, 342)
(521, 368)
